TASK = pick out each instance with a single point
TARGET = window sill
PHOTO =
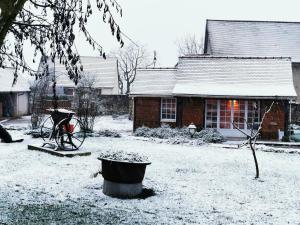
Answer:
(168, 120)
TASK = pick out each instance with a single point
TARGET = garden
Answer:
(188, 182)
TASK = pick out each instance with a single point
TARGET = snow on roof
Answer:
(233, 76)
(7, 78)
(256, 38)
(155, 81)
(220, 77)
(104, 71)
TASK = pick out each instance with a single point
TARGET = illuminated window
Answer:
(168, 110)
(225, 114)
(222, 113)
(239, 113)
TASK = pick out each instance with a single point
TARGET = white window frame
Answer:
(218, 114)
(161, 107)
(232, 114)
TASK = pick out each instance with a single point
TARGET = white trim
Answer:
(218, 113)
(246, 114)
(161, 103)
(168, 120)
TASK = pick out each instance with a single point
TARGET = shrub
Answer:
(179, 135)
(211, 136)
(108, 133)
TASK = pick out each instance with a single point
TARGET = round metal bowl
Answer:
(122, 171)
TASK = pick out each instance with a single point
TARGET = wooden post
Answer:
(179, 110)
(286, 121)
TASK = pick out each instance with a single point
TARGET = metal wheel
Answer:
(70, 134)
(47, 128)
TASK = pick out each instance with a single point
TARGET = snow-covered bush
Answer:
(142, 132)
(108, 133)
(211, 136)
(163, 132)
(180, 135)
(123, 156)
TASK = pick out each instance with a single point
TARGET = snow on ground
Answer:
(119, 123)
(193, 184)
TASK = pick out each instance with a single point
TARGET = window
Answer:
(69, 91)
(211, 113)
(253, 115)
(221, 113)
(168, 110)
(225, 114)
(239, 113)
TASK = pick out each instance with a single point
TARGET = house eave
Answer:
(150, 95)
(216, 96)
(236, 96)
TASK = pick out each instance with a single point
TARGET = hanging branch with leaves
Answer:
(49, 25)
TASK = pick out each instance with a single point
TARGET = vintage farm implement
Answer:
(62, 130)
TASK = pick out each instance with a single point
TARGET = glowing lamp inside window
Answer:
(235, 105)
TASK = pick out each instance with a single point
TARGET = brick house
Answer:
(214, 91)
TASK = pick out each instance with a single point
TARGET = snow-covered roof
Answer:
(211, 76)
(234, 76)
(7, 78)
(155, 81)
(104, 71)
(253, 38)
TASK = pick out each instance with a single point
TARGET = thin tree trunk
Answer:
(254, 157)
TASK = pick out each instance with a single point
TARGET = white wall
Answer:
(107, 91)
(22, 104)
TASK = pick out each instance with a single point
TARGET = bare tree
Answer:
(129, 59)
(189, 45)
(48, 25)
(86, 101)
(252, 137)
(38, 95)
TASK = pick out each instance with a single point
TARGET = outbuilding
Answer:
(14, 99)
(215, 92)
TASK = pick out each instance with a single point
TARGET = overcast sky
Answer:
(157, 24)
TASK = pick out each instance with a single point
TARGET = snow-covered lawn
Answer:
(193, 185)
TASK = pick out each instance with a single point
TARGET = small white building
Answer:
(14, 99)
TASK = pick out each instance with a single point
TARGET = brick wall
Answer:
(192, 110)
(146, 112)
(273, 121)
(66, 104)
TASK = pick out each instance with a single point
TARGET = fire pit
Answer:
(122, 178)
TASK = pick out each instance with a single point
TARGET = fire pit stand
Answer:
(122, 179)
